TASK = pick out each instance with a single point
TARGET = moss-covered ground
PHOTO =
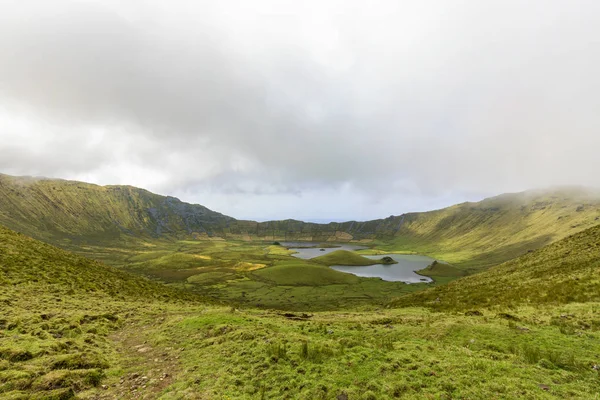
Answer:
(97, 348)
(75, 328)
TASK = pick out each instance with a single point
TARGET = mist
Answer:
(328, 110)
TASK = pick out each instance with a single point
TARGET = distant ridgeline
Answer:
(80, 211)
(482, 233)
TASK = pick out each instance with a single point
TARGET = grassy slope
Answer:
(470, 236)
(57, 310)
(344, 257)
(61, 211)
(25, 261)
(477, 235)
(563, 272)
(64, 334)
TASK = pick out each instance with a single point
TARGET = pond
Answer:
(404, 271)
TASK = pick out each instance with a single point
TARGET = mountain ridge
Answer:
(472, 235)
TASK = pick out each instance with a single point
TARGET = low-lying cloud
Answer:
(329, 109)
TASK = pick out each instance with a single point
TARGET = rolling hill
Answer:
(478, 235)
(471, 236)
(26, 262)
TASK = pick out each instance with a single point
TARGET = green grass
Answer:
(563, 272)
(408, 353)
(65, 332)
(28, 262)
(345, 257)
(474, 236)
(470, 236)
(58, 311)
(301, 273)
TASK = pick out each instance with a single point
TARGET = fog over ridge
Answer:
(321, 110)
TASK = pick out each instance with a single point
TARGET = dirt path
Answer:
(147, 371)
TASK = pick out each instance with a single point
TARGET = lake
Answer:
(404, 271)
(305, 252)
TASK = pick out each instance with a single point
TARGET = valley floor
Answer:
(254, 274)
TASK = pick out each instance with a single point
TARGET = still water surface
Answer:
(404, 271)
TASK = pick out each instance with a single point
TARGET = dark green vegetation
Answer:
(292, 328)
(345, 257)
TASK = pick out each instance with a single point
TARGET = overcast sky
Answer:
(315, 110)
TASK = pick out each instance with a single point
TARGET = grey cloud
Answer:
(273, 97)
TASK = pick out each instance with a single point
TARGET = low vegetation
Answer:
(254, 274)
(58, 312)
(470, 236)
(564, 272)
(300, 273)
(175, 313)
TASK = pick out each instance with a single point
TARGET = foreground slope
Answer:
(56, 312)
(564, 272)
(28, 262)
(73, 328)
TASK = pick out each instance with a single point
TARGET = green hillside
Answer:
(566, 271)
(74, 328)
(57, 312)
(28, 262)
(67, 211)
(471, 236)
(476, 235)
